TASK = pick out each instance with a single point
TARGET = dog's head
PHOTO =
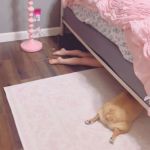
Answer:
(111, 113)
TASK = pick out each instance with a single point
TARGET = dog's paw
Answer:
(87, 122)
(111, 140)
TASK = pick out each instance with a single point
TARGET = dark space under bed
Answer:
(106, 50)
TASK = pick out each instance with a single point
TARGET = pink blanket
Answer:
(133, 16)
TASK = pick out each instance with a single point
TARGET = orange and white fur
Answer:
(78, 58)
(118, 114)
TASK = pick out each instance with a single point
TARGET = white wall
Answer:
(13, 14)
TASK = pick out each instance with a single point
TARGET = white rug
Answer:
(50, 113)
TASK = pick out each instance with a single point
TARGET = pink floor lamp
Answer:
(31, 45)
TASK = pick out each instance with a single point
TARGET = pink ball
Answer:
(31, 25)
(30, 31)
(30, 2)
(31, 20)
(31, 9)
(30, 14)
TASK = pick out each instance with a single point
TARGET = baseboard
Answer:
(22, 35)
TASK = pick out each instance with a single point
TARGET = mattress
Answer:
(107, 51)
(113, 33)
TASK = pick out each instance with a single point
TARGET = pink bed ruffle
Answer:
(133, 16)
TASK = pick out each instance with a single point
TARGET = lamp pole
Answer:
(31, 45)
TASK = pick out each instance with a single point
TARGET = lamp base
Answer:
(31, 45)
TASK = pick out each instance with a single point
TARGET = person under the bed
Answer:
(77, 58)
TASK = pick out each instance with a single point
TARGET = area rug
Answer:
(50, 113)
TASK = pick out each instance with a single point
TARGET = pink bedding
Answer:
(87, 3)
(133, 16)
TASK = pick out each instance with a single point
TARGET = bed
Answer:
(108, 53)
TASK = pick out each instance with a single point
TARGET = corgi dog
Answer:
(118, 114)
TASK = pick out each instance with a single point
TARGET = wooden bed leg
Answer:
(148, 112)
(61, 18)
(147, 100)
